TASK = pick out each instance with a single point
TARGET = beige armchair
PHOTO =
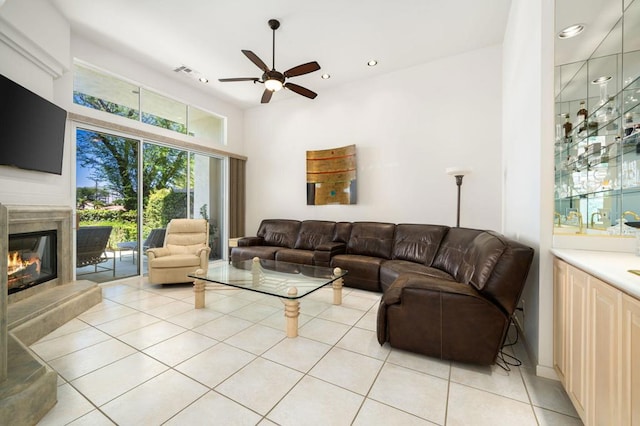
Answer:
(184, 251)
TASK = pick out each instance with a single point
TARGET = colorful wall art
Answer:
(331, 176)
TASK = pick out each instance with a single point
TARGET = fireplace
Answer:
(31, 259)
(26, 225)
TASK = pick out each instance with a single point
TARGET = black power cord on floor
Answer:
(505, 360)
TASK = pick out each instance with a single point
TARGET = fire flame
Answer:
(15, 263)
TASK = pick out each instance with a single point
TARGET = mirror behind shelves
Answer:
(597, 110)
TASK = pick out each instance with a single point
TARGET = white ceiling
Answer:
(342, 35)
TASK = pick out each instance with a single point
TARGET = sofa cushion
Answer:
(176, 261)
(249, 252)
(417, 243)
(313, 233)
(450, 257)
(390, 270)
(482, 257)
(190, 249)
(363, 271)
(279, 232)
(304, 257)
(373, 239)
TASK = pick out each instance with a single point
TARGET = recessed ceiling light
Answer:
(203, 79)
(571, 31)
(372, 63)
(601, 80)
(325, 76)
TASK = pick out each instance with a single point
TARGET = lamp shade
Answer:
(458, 171)
(273, 84)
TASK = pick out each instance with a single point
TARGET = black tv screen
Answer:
(31, 129)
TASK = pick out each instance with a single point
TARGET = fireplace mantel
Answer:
(23, 219)
(28, 387)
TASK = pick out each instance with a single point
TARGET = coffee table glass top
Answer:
(272, 277)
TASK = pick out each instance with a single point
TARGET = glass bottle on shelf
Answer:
(582, 117)
(567, 126)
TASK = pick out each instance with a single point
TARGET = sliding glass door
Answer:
(107, 199)
(173, 182)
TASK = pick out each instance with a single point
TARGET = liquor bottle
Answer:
(582, 117)
(567, 126)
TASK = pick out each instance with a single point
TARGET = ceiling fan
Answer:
(274, 80)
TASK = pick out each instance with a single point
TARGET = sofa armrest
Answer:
(441, 318)
(250, 241)
(158, 252)
(203, 251)
(324, 252)
(407, 282)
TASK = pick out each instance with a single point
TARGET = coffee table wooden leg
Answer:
(198, 289)
(337, 288)
(291, 312)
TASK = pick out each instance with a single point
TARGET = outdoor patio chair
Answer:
(154, 239)
(185, 250)
(91, 248)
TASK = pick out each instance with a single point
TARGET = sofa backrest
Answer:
(371, 239)
(451, 253)
(506, 281)
(417, 243)
(187, 232)
(313, 233)
(279, 232)
(342, 232)
(495, 265)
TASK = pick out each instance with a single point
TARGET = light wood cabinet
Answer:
(597, 347)
(560, 319)
(603, 358)
(576, 369)
(630, 361)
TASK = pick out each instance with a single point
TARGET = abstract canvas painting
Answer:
(331, 176)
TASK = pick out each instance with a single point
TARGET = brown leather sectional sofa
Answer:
(446, 292)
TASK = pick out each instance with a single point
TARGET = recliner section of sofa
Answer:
(447, 292)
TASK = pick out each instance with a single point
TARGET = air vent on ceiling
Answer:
(191, 73)
(184, 69)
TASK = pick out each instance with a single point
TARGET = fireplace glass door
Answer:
(31, 259)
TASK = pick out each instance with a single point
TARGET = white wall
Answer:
(43, 37)
(528, 161)
(408, 126)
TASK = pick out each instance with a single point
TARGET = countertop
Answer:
(611, 267)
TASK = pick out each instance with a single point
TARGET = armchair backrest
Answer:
(186, 235)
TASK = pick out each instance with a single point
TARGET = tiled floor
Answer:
(145, 356)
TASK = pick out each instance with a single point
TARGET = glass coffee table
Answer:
(288, 281)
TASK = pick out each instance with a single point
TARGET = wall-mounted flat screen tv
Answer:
(31, 129)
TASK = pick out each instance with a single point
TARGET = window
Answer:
(98, 90)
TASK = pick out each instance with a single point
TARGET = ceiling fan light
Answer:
(273, 85)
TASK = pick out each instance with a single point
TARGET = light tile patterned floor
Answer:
(144, 356)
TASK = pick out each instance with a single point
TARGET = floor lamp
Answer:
(459, 173)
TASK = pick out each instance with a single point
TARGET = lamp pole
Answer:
(459, 184)
(458, 173)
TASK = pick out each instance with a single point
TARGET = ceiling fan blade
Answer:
(254, 58)
(301, 90)
(302, 69)
(266, 96)
(225, 80)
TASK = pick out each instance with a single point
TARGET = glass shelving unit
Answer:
(597, 160)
